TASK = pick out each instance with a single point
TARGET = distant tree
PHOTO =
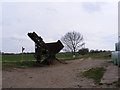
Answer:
(100, 51)
(83, 51)
(94, 51)
(73, 41)
(97, 51)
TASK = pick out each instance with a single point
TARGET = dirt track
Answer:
(56, 76)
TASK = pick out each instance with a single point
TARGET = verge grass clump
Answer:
(24, 63)
(118, 83)
(95, 73)
(115, 83)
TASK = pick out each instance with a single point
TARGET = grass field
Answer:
(16, 58)
(68, 56)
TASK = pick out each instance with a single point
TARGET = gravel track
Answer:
(56, 76)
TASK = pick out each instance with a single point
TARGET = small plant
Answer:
(118, 83)
(95, 73)
(115, 83)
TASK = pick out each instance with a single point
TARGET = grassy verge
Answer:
(15, 59)
(65, 56)
(24, 63)
(95, 73)
(18, 57)
(116, 83)
(103, 55)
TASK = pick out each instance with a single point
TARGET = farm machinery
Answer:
(45, 53)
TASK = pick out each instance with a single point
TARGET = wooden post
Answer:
(22, 54)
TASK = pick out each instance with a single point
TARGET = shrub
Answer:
(83, 51)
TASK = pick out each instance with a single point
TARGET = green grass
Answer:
(65, 56)
(24, 63)
(115, 83)
(16, 58)
(95, 73)
(68, 56)
(103, 55)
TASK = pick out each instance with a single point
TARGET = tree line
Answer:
(74, 42)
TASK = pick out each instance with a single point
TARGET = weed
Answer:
(95, 73)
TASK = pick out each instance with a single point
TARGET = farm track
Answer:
(55, 76)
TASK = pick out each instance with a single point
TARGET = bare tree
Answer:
(73, 41)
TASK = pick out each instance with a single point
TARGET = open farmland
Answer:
(15, 59)
(59, 75)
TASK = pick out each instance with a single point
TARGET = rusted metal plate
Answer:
(54, 47)
(42, 48)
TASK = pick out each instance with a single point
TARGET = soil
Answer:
(59, 75)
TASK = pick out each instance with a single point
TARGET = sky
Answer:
(96, 21)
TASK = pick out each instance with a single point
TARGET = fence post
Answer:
(22, 54)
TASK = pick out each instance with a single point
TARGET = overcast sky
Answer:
(96, 21)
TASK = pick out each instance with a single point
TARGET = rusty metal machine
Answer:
(45, 53)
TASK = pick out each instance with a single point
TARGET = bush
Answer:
(83, 51)
(95, 51)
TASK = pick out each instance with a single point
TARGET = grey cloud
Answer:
(53, 20)
(14, 44)
(92, 6)
(17, 37)
(53, 10)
